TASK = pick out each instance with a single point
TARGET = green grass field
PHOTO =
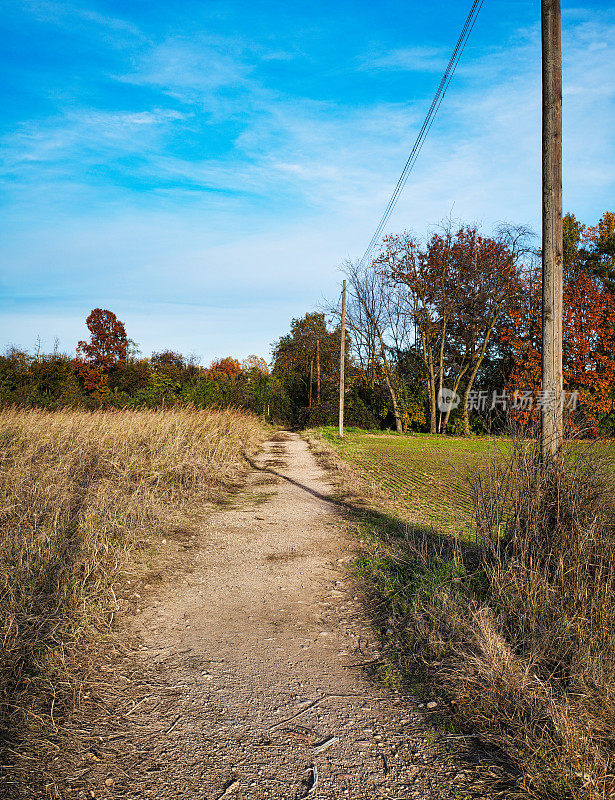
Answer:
(427, 476)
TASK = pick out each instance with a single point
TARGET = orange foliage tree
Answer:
(588, 349)
(224, 369)
(108, 346)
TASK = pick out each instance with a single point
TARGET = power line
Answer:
(427, 123)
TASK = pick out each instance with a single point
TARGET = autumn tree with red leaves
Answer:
(588, 349)
(454, 289)
(588, 326)
(224, 369)
(108, 347)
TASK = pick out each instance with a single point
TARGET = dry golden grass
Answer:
(541, 671)
(77, 490)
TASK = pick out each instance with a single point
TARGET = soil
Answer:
(250, 677)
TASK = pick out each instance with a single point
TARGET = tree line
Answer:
(457, 312)
(108, 371)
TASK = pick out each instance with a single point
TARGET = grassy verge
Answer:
(79, 493)
(514, 626)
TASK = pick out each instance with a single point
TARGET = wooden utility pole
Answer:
(318, 371)
(552, 232)
(342, 359)
(311, 379)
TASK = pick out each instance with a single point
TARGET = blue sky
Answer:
(201, 168)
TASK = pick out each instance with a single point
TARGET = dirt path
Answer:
(248, 682)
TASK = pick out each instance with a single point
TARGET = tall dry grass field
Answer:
(77, 489)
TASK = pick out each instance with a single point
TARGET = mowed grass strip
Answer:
(427, 476)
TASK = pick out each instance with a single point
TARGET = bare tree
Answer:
(376, 325)
(426, 294)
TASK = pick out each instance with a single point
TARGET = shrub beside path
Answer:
(248, 680)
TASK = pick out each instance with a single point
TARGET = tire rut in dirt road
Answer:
(249, 676)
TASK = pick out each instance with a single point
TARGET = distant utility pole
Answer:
(552, 233)
(311, 378)
(318, 371)
(342, 358)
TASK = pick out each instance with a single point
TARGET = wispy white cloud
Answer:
(411, 59)
(294, 184)
(69, 144)
(329, 155)
(191, 69)
(70, 15)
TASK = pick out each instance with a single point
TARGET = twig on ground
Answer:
(307, 708)
(320, 748)
(229, 788)
(136, 705)
(313, 779)
(172, 726)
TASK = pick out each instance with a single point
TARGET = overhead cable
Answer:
(427, 123)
